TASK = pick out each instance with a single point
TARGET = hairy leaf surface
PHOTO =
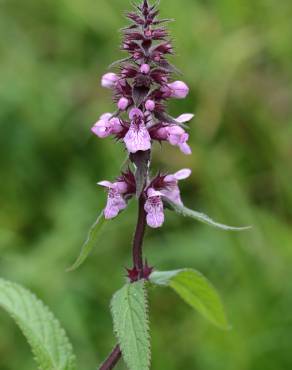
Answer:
(50, 346)
(130, 316)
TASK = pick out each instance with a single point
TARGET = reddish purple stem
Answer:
(112, 359)
(139, 236)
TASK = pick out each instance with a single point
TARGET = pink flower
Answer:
(123, 103)
(109, 80)
(137, 138)
(178, 89)
(118, 193)
(171, 189)
(163, 187)
(150, 105)
(173, 133)
(145, 69)
(154, 208)
(106, 126)
(177, 136)
(115, 199)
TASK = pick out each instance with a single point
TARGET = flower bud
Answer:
(109, 80)
(150, 105)
(178, 89)
(137, 55)
(148, 33)
(145, 69)
(123, 103)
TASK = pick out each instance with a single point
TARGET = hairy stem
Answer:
(139, 236)
(112, 359)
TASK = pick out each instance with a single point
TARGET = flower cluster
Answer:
(142, 127)
(161, 189)
(141, 87)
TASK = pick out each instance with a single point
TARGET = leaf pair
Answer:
(48, 340)
(96, 228)
(130, 313)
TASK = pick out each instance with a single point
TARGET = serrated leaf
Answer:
(184, 211)
(90, 242)
(130, 317)
(47, 339)
(197, 291)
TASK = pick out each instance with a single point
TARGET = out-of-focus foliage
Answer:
(236, 56)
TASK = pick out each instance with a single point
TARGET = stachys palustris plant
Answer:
(142, 85)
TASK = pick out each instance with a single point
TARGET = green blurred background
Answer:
(236, 55)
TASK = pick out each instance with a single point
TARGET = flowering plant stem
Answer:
(112, 359)
(141, 89)
(138, 238)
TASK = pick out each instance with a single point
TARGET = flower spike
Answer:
(144, 83)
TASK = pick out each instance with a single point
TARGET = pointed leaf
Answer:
(90, 242)
(47, 339)
(184, 211)
(130, 316)
(196, 290)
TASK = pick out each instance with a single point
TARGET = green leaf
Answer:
(90, 242)
(130, 317)
(197, 291)
(47, 339)
(184, 211)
